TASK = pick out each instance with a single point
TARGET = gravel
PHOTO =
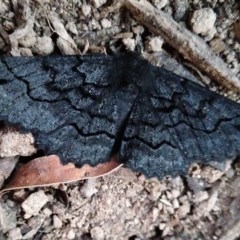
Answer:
(123, 205)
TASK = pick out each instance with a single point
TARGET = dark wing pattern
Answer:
(88, 108)
(180, 122)
(67, 102)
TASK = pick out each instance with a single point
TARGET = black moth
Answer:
(87, 109)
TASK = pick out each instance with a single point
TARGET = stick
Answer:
(192, 47)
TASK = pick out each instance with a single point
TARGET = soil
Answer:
(122, 205)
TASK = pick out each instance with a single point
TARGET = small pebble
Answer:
(162, 226)
(71, 26)
(159, 4)
(28, 40)
(8, 26)
(217, 45)
(44, 45)
(203, 20)
(98, 3)
(71, 234)
(89, 188)
(176, 193)
(86, 10)
(15, 234)
(94, 25)
(183, 211)
(230, 173)
(175, 203)
(33, 204)
(138, 29)
(201, 196)
(97, 233)
(19, 195)
(129, 43)
(47, 212)
(106, 23)
(209, 35)
(3, 7)
(155, 213)
(180, 8)
(10, 203)
(57, 222)
(155, 44)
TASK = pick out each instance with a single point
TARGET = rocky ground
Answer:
(123, 205)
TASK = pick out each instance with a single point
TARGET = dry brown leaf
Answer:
(48, 170)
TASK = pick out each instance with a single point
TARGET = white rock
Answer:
(25, 51)
(71, 234)
(166, 202)
(89, 188)
(138, 29)
(129, 43)
(93, 24)
(201, 196)
(33, 204)
(203, 20)
(71, 26)
(155, 214)
(155, 44)
(86, 10)
(20, 194)
(175, 203)
(176, 193)
(98, 3)
(15, 234)
(160, 3)
(10, 203)
(8, 25)
(15, 143)
(8, 217)
(47, 212)
(57, 222)
(97, 233)
(209, 35)
(106, 23)
(28, 40)
(183, 210)
(3, 7)
(162, 226)
(44, 45)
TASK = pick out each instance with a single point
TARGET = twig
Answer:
(65, 43)
(192, 47)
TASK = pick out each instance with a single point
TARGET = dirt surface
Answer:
(122, 205)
